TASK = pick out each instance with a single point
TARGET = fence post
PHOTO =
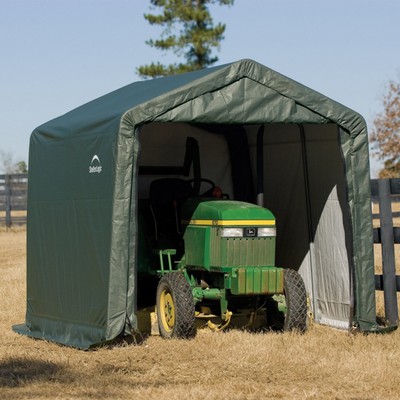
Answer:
(8, 200)
(388, 258)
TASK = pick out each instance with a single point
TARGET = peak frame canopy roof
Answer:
(82, 287)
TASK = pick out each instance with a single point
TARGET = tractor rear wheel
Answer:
(175, 307)
(296, 301)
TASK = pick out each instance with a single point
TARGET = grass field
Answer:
(324, 363)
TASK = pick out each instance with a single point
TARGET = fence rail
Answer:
(13, 197)
(386, 191)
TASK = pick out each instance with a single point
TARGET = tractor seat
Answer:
(166, 198)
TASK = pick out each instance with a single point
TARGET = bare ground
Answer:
(324, 363)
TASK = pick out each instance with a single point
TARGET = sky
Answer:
(59, 54)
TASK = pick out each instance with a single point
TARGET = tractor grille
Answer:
(248, 251)
(242, 252)
(205, 248)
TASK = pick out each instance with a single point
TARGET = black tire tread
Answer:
(296, 301)
(181, 293)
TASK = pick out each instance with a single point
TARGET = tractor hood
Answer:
(226, 213)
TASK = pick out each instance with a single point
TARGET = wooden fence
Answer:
(13, 199)
(386, 191)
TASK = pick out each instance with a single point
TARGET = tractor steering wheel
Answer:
(208, 192)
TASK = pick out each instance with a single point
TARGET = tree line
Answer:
(8, 166)
(385, 134)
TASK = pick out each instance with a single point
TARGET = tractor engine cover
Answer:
(235, 238)
(226, 233)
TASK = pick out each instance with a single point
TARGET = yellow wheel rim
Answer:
(167, 311)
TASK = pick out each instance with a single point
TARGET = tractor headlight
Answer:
(265, 232)
(247, 232)
(232, 232)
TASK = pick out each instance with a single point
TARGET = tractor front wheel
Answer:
(296, 301)
(175, 307)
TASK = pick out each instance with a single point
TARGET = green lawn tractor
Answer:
(208, 252)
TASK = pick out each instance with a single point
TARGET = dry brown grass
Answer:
(14, 213)
(324, 363)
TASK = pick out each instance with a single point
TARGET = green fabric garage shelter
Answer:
(85, 187)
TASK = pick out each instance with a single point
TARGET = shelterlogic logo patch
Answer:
(95, 165)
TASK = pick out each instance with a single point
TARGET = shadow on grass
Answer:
(17, 372)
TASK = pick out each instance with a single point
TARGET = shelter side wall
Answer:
(356, 155)
(69, 232)
(304, 187)
(330, 225)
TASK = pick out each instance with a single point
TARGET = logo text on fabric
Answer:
(95, 165)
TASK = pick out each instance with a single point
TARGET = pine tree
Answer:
(385, 135)
(189, 32)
